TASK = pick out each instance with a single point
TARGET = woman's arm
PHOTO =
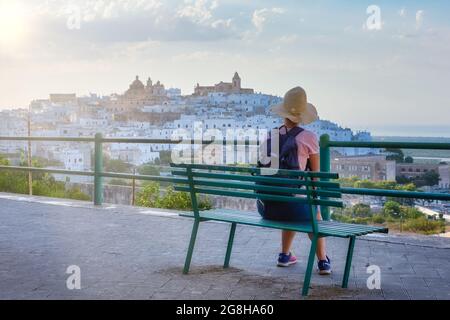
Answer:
(314, 162)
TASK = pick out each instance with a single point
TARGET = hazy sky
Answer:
(354, 75)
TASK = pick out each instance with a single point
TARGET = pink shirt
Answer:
(307, 144)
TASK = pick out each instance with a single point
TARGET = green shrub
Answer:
(151, 196)
(379, 218)
(361, 210)
(340, 217)
(44, 184)
(360, 220)
(411, 213)
(423, 225)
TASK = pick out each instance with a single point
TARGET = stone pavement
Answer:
(138, 253)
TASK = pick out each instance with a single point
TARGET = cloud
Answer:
(260, 16)
(198, 11)
(134, 21)
(291, 38)
(221, 23)
(201, 12)
(419, 18)
(96, 10)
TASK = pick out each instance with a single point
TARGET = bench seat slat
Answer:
(351, 226)
(266, 179)
(252, 195)
(329, 224)
(266, 188)
(291, 173)
(326, 228)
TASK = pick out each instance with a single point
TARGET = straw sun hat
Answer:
(296, 108)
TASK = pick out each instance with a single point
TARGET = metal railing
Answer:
(325, 163)
(98, 172)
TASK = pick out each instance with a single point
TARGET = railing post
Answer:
(133, 189)
(98, 169)
(325, 166)
(30, 161)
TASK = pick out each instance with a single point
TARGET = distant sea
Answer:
(438, 131)
(421, 155)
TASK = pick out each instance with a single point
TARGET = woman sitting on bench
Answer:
(299, 150)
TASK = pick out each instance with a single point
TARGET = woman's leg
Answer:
(286, 241)
(287, 237)
(321, 250)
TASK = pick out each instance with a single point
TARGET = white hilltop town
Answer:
(151, 111)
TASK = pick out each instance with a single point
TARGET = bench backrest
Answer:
(254, 183)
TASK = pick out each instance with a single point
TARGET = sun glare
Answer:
(13, 18)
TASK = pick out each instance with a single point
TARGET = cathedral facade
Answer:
(139, 95)
(224, 87)
(138, 91)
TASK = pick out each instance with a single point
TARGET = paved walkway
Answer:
(136, 253)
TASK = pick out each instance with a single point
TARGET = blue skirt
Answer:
(284, 211)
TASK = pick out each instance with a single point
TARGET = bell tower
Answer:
(236, 81)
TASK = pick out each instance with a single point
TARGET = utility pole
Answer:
(30, 174)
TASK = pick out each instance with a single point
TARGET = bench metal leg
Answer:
(187, 263)
(230, 245)
(312, 255)
(348, 262)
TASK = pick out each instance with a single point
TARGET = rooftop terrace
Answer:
(138, 253)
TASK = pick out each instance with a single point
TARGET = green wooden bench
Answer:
(314, 188)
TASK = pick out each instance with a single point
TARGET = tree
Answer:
(431, 178)
(409, 159)
(392, 208)
(395, 154)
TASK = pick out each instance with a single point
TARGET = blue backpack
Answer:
(288, 159)
(288, 150)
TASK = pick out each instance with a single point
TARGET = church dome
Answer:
(137, 84)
